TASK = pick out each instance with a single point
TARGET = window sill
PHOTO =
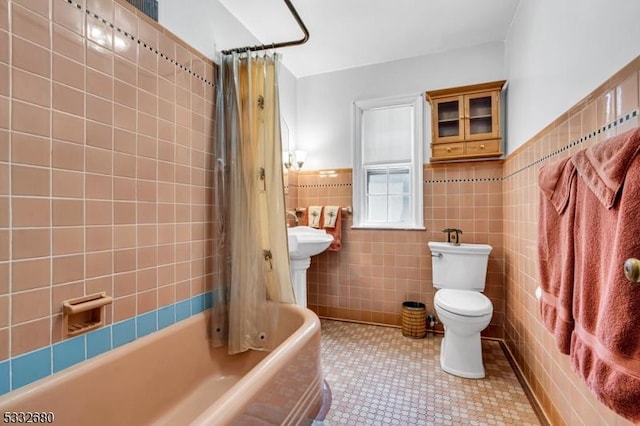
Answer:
(391, 228)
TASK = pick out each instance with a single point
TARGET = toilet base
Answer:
(462, 355)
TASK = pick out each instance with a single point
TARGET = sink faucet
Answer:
(293, 215)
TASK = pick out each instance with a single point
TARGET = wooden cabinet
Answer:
(465, 122)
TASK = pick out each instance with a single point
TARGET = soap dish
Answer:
(85, 313)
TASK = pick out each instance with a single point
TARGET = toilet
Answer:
(459, 275)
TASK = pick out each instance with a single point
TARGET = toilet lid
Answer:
(463, 302)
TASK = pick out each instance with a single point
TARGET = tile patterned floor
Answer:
(379, 377)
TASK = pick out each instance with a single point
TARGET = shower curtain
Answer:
(252, 258)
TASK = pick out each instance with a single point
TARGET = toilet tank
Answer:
(462, 267)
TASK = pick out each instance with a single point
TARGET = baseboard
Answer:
(535, 403)
(360, 322)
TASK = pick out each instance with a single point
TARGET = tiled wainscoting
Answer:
(609, 110)
(106, 130)
(377, 270)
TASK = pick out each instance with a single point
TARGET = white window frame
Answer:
(360, 212)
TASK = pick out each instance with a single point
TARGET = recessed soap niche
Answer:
(85, 313)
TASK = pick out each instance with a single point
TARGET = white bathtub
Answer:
(174, 377)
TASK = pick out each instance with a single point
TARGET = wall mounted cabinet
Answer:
(465, 122)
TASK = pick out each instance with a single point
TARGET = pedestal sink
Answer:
(304, 242)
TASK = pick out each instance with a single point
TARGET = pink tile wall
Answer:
(105, 151)
(564, 397)
(377, 270)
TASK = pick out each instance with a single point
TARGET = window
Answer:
(387, 172)
(148, 7)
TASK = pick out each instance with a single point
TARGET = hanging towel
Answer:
(314, 214)
(330, 215)
(605, 348)
(555, 249)
(332, 224)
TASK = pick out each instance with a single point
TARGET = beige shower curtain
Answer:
(253, 259)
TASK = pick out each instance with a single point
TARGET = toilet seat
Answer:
(465, 303)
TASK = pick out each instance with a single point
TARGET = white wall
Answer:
(288, 85)
(204, 24)
(558, 52)
(209, 27)
(554, 55)
(325, 101)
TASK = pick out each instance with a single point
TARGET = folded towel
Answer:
(605, 349)
(314, 214)
(555, 249)
(603, 167)
(329, 216)
(333, 226)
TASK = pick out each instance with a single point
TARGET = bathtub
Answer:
(174, 377)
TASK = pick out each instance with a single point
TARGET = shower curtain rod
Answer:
(303, 40)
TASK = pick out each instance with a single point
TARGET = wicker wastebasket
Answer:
(414, 320)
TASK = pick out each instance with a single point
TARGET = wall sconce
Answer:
(294, 159)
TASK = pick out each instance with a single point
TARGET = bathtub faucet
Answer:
(293, 215)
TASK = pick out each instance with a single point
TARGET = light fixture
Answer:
(294, 159)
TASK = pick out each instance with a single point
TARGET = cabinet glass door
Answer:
(448, 121)
(482, 116)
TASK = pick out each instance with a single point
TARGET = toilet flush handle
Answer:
(436, 255)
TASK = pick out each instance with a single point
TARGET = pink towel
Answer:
(605, 347)
(555, 249)
(335, 231)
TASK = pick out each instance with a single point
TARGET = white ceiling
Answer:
(351, 33)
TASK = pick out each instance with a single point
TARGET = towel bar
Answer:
(632, 270)
(347, 209)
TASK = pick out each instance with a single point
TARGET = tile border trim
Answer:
(427, 181)
(43, 362)
(623, 119)
(319, 185)
(466, 180)
(576, 142)
(140, 42)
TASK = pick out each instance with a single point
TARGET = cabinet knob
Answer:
(449, 149)
(482, 146)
